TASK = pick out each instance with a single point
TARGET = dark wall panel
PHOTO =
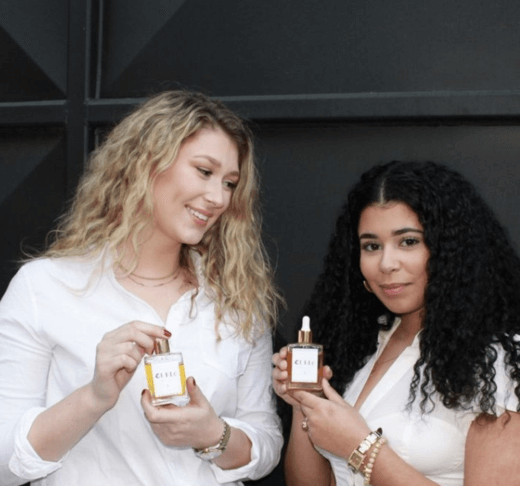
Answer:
(32, 193)
(33, 50)
(231, 48)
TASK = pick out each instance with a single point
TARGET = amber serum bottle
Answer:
(305, 361)
(166, 376)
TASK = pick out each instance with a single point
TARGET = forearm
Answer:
(237, 453)
(56, 430)
(304, 466)
(390, 470)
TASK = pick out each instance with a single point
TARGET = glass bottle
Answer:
(166, 376)
(305, 361)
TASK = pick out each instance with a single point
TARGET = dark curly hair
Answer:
(471, 301)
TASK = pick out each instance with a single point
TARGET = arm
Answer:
(337, 427)
(198, 426)
(492, 450)
(56, 430)
(33, 439)
(304, 465)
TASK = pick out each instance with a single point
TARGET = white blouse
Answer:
(432, 443)
(48, 338)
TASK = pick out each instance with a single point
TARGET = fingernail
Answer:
(194, 382)
(143, 392)
(167, 333)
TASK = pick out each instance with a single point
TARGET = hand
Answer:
(333, 424)
(195, 425)
(117, 357)
(280, 377)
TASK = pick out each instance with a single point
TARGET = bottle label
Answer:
(304, 365)
(167, 378)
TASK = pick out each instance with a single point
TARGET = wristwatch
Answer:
(358, 455)
(212, 452)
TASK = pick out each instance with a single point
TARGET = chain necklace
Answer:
(172, 276)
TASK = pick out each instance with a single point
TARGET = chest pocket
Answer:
(228, 355)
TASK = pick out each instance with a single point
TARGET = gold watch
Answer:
(212, 452)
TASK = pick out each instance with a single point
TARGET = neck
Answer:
(410, 325)
(154, 260)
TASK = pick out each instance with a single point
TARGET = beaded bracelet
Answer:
(370, 465)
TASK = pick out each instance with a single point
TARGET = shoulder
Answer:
(492, 450)
(74, 273)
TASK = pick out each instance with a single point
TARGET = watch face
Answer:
(208, 456)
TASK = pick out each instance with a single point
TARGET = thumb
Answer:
(196, 395)
(330, 393)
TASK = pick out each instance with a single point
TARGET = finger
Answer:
(132, 350)
(197, 398)
(158, 415)
(279, 361)
(136, 330)
(146, 403)
(327, 372)
(306, 399)
(279, 375)
(283, 352)
(330, 393)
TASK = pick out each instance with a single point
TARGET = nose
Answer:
(389, 260)
(216, 194)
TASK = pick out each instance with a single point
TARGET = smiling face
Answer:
(394, 258)
(196, 189)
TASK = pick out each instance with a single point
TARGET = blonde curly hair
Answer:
(114, 204)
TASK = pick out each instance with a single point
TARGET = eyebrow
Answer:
(215, 162)
(398, 232)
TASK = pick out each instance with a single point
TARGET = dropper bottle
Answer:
(305, 361)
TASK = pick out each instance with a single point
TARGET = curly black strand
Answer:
(471, 302)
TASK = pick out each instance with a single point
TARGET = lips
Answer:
(393, 289)
(200, 216)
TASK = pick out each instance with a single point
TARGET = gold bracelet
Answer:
(368, 468)
(358, 455)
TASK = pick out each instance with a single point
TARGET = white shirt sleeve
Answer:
(24, 365)
(256, 417)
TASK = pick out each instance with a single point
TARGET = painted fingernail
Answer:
(194, 382)
(143, 392)
(167, 333)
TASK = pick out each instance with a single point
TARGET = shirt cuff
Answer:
(25, 462)
(265, 453)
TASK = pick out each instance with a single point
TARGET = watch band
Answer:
(358, 455)
(212, 452)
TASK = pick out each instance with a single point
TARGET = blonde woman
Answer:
(161, 241)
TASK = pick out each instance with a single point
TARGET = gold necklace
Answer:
(150, 278)
(174, 277)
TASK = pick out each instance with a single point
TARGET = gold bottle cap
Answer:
(161, 346)
(305, 333)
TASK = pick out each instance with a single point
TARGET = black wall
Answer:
(331, 87)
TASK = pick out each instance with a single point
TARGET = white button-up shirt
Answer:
(433, 443)
(51, 319)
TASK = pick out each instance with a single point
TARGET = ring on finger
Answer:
(305, 425)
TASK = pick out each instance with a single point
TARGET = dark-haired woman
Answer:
(418, 309)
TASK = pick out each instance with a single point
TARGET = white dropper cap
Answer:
(305, 334)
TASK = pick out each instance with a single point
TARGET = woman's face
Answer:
(196, 189)
(394, 257)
